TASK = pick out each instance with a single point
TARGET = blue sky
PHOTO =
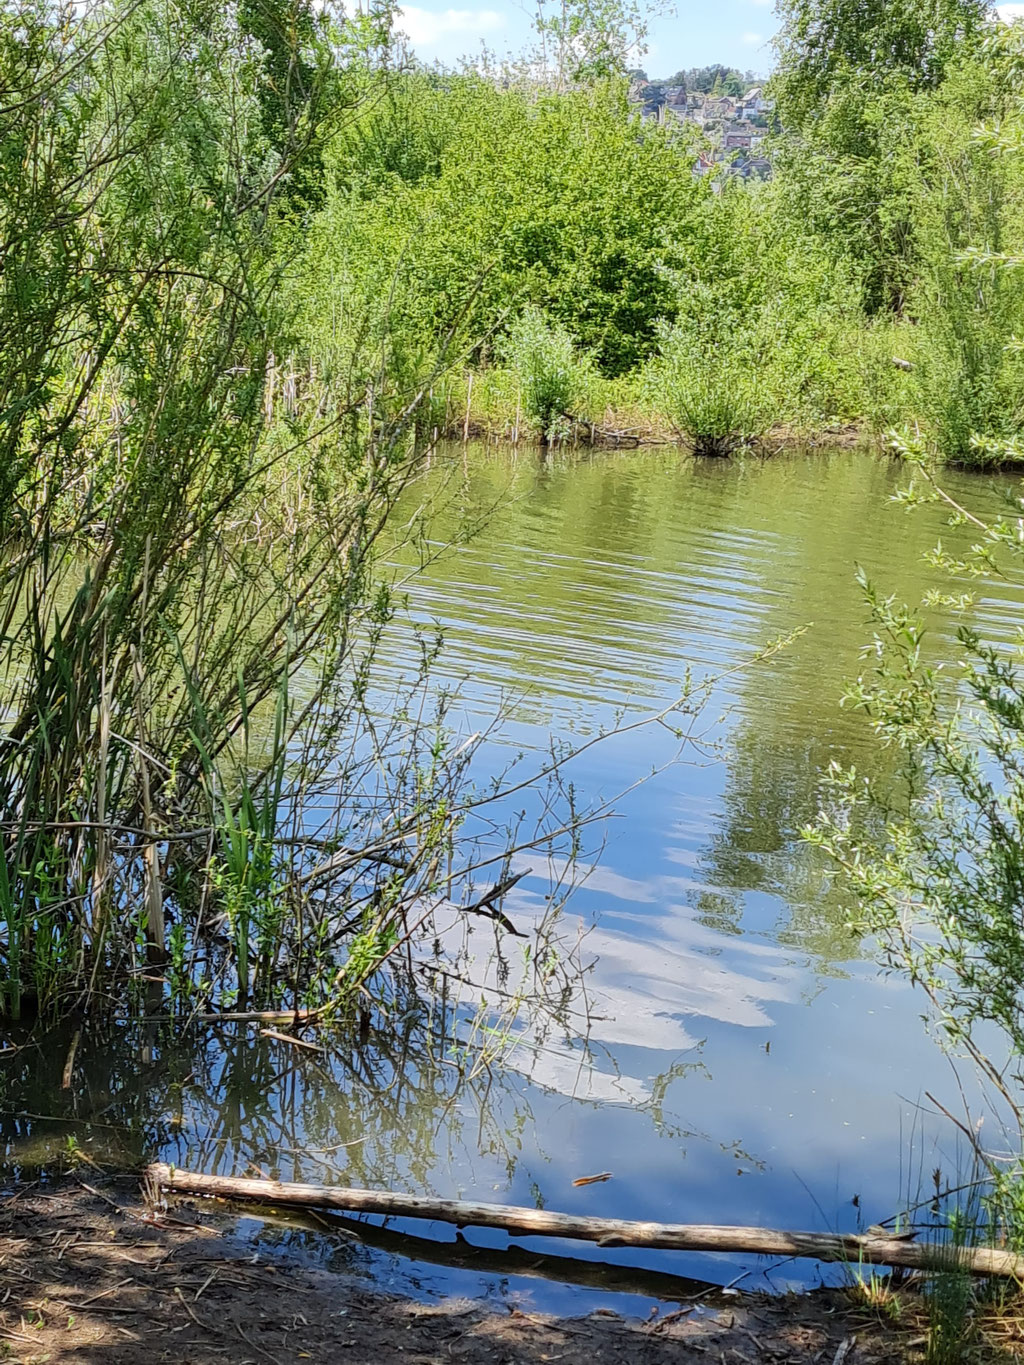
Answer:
(736, 32)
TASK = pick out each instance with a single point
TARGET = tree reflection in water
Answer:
(403, 1106)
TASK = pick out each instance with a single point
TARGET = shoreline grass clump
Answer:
(707, 388)
(553, 377)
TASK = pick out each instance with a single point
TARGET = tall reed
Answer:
(156, 589)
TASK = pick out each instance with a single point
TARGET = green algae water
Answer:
(743, 1060)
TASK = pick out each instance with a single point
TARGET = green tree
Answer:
(876, 106)
(586, 40)
(825, 46)
(703, 80)
(468, 196)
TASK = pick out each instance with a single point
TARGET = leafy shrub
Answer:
(551, 371)
(706, 385)
(497, 195)
(762, 324)
(968, 372)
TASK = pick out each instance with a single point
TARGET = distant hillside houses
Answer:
(734, 126)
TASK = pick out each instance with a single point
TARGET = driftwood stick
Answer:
(606, 433)
(821, 1246)
(296, 1016)
(290, 1038)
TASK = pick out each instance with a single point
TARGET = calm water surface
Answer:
(746, 1062)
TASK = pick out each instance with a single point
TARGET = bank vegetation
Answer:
(254, 263)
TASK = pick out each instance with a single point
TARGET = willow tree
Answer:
(853, 84)
(825, 46)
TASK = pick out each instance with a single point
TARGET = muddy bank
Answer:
(628, 431)
(87, 1274)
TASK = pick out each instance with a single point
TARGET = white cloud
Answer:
(1010, 12)
(427, 28)
(752, 39)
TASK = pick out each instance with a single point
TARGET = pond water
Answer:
(746, 1062)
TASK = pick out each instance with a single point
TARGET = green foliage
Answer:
(886, 159)
(850, 177)
(872, 123)
(702, 80)
(934, 867)
(968, 306)
(827, 46)
(949, 1301)
(760, 329)
(287, 37)
(247, 873)
(707, 380)
(164, 572)
(454, 198)
(582, 41)
(938, 877)
(128, 414)
(714, 79)
(551, 372)
(969, 375)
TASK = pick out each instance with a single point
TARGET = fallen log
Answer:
(821, 1246)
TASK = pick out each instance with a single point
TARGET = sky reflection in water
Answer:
(746, 1062)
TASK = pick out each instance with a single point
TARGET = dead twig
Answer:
(69, 1065)
(189, 1310)
(658, 1323)
(290, 1038)
(104, 1293)
(206, 1283)
(486, 904)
